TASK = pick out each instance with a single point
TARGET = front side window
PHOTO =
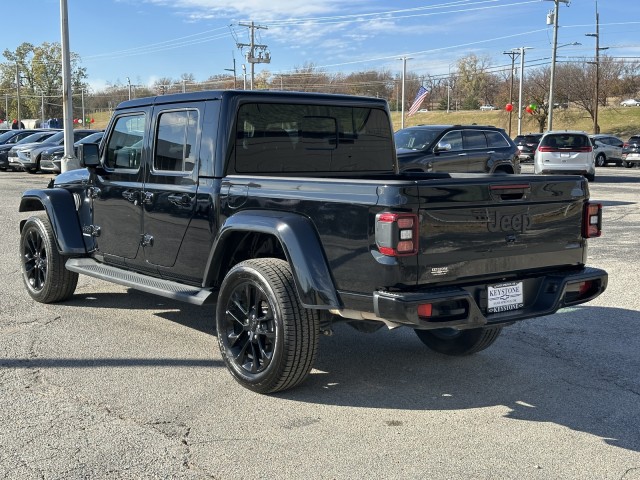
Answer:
(176, 141)
(124, 149)
(453, 138)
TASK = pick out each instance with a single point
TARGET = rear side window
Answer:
(474, 139)
(274, 138)
(175, 141)
(496, 139)
(123, 151)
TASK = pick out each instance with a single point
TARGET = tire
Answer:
(601, 161)
(459, 342)
(43, 271)
(591, 177)
(267, 339)
(627, 164)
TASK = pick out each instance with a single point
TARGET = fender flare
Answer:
(61, 210)
(301, 245)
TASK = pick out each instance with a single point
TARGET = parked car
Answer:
(631, 152)
(607, 149)
(456, 148)
(487, 107)
(565, 152)
(527, 145)
(51, 157)
(34, 136)
(29, 155)
(630, 102)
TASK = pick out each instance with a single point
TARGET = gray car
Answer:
(607, 149)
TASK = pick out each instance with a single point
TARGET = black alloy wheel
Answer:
(43, 271)
(267, 339)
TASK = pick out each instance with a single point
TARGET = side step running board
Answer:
(138, 281)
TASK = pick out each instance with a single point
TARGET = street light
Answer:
(553, 60)
(404, 74)
(522, 50)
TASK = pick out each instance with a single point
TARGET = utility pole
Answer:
(129, 83)
(263, 55)
(553, 60)
(18, 91)
(84, 117)
(42, 106)
(596, 96)
(512, 54)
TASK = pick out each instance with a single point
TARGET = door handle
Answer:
(130, 195)
(180, 199)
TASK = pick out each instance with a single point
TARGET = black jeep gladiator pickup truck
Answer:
(288, 213)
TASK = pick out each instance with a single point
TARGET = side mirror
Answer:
(442, 147)
(89, 154)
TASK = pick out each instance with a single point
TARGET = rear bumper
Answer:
(466, 307)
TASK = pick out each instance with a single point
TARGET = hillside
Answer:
(618, 121)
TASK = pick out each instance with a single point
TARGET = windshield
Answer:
(7, 135)
(93, 138)
(415, 138)
(36, 137)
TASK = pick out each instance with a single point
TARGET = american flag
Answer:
(422, 92)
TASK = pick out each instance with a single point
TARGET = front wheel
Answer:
(267, 339)
(459, 342)
(43, 271)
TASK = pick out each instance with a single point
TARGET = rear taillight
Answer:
(397, 234)
(584, 149)
(625, 145)
(547, 149)
(592, 220)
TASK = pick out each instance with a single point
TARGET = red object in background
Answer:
(508, 107)
(92, 120)
(75, 120)
(528, 109)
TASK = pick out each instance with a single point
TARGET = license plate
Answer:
(505, 297)
(565, 155)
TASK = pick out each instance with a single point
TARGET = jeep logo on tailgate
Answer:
(519, 222)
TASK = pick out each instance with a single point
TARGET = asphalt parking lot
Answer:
(120, 384)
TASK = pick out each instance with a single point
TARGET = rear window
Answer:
(532, 138)
(566, 140)
(273, 138)
(634, 139)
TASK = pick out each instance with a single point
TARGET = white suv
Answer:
(565, 152)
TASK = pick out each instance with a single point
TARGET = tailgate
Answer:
(491, 227)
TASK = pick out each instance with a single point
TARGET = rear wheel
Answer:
(267, 339)
(591, 177)
(454, 342)
(601, 160)
(43, 271)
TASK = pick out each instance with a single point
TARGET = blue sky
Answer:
(149, 39)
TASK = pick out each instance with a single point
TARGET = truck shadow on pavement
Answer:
(565, 369)
(578, 368)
